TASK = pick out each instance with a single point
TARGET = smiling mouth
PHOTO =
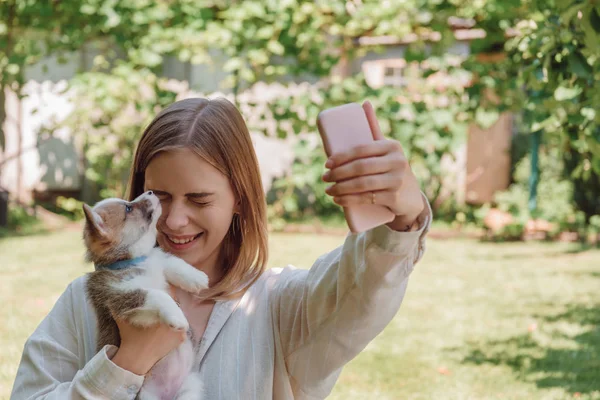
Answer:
(180, 242)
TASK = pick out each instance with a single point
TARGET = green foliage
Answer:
(302, 194)
(554, 200)
(551, 73)
(554, 191)
(20, 222)
(262, 40)
(30, 30)
(554, 56)
(112, 112)
(70, 207)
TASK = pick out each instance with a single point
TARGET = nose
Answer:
(176, 217)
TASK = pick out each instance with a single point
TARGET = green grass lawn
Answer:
(479, 321)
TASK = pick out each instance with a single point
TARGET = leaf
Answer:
(265, 32)
(247, 74)
(589, 113)
(595, 20)
(567, 15)
(233, 64)
(591, 36)
(149, 58)
(13, 69)
(562, 93)
(579, 65)
(443, 118)
(275, 47)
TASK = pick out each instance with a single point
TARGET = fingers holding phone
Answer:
(372, 172)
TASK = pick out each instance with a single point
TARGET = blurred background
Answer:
(494, 102)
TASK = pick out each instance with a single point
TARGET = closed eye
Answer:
(200, 203)
(161, 195)
(194, 198)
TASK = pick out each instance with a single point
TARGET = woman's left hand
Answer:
(377, 172)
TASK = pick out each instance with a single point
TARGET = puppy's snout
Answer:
(147, 207)
(148, 203)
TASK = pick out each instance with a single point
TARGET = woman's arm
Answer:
(53, 364)
(327, 315)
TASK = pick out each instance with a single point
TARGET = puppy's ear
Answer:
(93, 222)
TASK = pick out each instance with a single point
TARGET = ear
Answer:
(93, 222)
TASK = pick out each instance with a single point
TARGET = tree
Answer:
(554, 57)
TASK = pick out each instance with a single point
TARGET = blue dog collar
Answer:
(119, 265)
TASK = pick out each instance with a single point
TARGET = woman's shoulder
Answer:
(73, 299)
(277, 278)
(276, 273)
(76, 287)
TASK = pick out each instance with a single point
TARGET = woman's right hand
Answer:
(141, 348)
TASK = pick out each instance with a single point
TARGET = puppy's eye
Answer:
(128, 208)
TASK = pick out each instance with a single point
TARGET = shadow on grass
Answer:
(581, 248)
(574, 367)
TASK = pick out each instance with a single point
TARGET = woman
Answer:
(281, 333)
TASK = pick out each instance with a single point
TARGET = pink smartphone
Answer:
(341, 129)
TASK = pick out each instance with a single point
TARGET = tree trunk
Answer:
(3, 193)
(19, 122)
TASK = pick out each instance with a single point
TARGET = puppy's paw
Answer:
(198, 281)
(175, 320)
(181, 274)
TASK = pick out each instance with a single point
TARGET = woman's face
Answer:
(198, 204)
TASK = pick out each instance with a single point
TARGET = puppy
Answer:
(131, 282)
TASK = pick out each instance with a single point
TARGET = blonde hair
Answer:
(215, 130)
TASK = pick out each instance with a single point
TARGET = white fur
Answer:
(191, 388)
(179, 274)
(159, 307)
(144, 245)
(160, 269)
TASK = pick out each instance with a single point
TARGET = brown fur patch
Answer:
(102, 240)
(110, 303)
